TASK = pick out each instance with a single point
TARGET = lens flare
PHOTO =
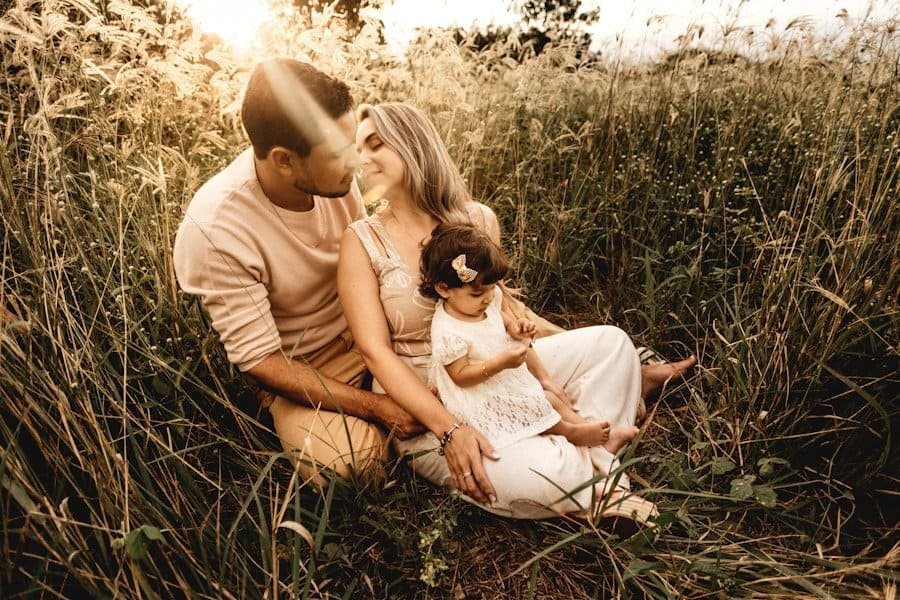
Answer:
(237, 22)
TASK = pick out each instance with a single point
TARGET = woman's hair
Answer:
(429, 174)
(286, 104)
(448, 241)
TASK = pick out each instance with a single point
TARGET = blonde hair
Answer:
(429, 175)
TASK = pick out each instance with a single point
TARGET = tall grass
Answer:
(745, 211)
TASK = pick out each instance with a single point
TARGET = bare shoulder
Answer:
(484, 216)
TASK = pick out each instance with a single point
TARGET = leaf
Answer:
(161, 386)
(722, 465)
(707, 567)
(680, 476)
(151, 532)
(765, 495)
(137, 542)
(18, 493)
(767, 468)
(299, 530)
(741, 489)
(638, 566)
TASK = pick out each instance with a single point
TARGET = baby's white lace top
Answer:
(511, 404)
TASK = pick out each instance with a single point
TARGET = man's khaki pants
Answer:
(327, 443)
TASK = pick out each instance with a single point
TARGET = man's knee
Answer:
(328, 444)
(366, 451)
(360, 448)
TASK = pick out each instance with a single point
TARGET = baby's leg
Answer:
(592, 433)
(618, 437)
(565, 411)
(582, 432)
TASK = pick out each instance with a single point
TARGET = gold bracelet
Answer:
(484, 370)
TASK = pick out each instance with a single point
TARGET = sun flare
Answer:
(237, 22)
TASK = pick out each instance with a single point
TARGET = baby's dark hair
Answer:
(447, 242)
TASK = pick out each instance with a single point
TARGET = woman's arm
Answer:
(298, 382)
(358, 291)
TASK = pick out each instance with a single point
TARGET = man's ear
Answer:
(442, 289)
(282, 158)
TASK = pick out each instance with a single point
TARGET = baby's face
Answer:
(469, 300)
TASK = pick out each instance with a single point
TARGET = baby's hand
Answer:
(522, 330)
(512, 357)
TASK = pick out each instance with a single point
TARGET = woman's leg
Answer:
(533, 477)
(599, 367)
(536, 478)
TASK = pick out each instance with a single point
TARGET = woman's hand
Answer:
(464, 453)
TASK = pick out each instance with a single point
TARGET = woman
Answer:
(596, 368)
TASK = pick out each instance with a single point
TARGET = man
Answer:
(259, 245)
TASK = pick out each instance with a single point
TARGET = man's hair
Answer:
(448, 241)
(286, 102)
(429, 174)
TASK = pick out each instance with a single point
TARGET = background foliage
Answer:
(745, 211)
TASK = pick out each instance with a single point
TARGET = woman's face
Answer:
(381, 165)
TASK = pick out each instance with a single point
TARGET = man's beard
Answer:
(320, 193)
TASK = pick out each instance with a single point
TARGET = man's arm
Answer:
(300, 383)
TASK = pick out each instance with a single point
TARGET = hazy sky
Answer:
(633, 28)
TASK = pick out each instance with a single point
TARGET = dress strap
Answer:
(366, 234)
(377, 228)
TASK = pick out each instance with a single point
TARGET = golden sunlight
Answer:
(237, 22)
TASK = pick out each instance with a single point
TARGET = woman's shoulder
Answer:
(483, 216)
(480, 211)
(364, 227)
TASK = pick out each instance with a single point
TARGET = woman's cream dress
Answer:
(543, 475)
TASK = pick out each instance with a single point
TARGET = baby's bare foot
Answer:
(593, 433)
(653, 377)
(618, 437)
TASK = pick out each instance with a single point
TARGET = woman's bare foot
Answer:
(641, 411)
(618, 437)
(653, 377)
(591, 433)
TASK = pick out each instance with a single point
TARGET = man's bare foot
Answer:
(618, 437)
(591, 433)
(653, 377)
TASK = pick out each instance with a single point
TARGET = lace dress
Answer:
(507, 407)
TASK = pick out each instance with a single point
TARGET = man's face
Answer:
(328, 170)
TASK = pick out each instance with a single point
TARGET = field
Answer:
(745, 211)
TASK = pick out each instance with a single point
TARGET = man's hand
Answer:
(393, 417)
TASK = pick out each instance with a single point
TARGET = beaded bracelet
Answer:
(445, 439)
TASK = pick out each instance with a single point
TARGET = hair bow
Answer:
(464, 273)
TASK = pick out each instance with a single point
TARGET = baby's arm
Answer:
(466, 374)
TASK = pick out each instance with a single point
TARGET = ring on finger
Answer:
(466, 474)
